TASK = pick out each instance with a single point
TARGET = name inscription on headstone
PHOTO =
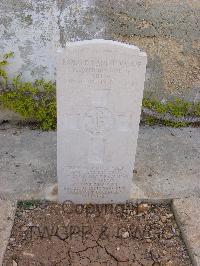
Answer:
(99, 93)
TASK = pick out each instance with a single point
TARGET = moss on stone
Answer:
(3, 63)
(27, 19)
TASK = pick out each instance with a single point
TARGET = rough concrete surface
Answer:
(34, 30)
(27, 162)
(187, 214)
(8, 115)
(167, 163)
(167, 30)
(7, 212)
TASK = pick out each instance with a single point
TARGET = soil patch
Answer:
(51, 234)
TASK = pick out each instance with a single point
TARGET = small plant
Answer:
(177, 107)
(151, 121)
(28, 204)
(174, 124)
(35, 101)
(154, 105)
(3, 63)
(197, 109)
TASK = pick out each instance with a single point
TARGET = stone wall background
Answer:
(169, 31)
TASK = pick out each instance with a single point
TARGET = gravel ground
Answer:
(50, 234)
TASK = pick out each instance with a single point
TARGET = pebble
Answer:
(107, 216)
(143, 207)
(163, 219)
(66, 221)
(30, 224)
(125, 235)
(27, 254)
(164, 252)
(174, 231)
(24, 228)
(169, 263)
(170, 215)
(148, 240)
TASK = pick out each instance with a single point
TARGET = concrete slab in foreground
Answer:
(187, 213)
(167, 163)
(7, 213)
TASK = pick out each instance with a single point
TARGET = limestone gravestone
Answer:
(99, 95)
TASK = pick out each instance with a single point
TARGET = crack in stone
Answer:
(60, 7)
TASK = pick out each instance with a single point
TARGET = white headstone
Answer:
(99, 95)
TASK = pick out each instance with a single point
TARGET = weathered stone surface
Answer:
(187, 213)
(99, 93)
(28, 162)
(30, 29)
(8, 115)
(168, 31)
(7, 212)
